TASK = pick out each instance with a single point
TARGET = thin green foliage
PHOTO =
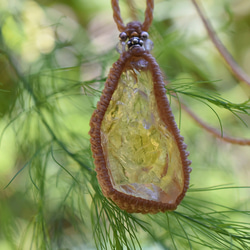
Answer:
(112, 227)
(203, 223)
(52, 177)
(193, 90)
(208, 97)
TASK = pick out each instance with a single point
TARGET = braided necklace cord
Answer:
(135, 60)
(118, 19)
(148, 15)
(117, 15)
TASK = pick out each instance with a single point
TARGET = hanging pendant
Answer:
(140, 157)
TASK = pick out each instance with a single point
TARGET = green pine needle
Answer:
(50, 196)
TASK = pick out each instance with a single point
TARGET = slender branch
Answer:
(132, 8)
(45, 123)
(214, 131)
(61, 144)
(234, 67)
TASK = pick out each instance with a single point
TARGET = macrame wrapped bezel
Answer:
(127, 202)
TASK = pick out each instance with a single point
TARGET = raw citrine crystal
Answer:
(140, 150)
(140, 157)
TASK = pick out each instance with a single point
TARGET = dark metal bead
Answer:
(134, 40)
(123, 36)
(144, 35)
(134, 34)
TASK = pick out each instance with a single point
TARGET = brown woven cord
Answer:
(117, 15)
(127, 61)
(148, 15)
(127, 202)
(118, 19)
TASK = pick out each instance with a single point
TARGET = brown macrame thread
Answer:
(128, 202)
(118, 19)
(148, 15)
(117, 15)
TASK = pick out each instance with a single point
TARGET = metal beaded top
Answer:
(134, 34)
(136, 40)
(119, 22)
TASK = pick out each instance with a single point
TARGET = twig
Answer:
(45, 123)
(234, 67)
(214, 131)
(132, 8)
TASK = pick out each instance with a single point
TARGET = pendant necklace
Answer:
(140, 157)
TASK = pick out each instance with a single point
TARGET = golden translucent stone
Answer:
(141, 154)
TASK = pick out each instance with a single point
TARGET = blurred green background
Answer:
(54, 59)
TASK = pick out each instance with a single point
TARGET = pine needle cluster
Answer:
(49, 196)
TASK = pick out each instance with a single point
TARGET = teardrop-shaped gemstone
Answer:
(140, 157)
(141, 153)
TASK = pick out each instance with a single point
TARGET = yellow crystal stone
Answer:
(141, 154)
